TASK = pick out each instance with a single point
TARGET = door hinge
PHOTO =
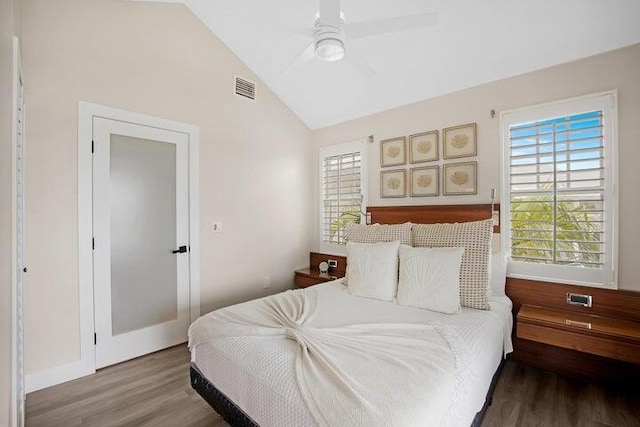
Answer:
(93, 243)
(92, 147)
(95, 339)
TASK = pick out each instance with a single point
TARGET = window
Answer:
(560, 200)
(342, 180)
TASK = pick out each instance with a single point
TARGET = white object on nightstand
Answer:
(323, 267)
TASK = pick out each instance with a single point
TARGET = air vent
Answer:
(245, 88)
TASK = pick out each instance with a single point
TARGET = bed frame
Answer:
(236, 417)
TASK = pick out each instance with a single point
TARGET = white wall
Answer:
(9, 26)
(159, 60)
(619, 69)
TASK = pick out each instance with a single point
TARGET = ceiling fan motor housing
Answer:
(329, 40)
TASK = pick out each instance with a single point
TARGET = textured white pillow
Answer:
(372, 269)
(430, 278)
(498, 274)
(475, 238)
(377, 233)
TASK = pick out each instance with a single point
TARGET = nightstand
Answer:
(310, 277)
(603, 336)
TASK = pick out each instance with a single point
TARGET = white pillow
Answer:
(498, 274)
(430, 278)
(372, 269)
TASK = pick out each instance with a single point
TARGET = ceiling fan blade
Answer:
(362, 29)
(307, 55)
(330, 12)
(297, 30)
(356, 59)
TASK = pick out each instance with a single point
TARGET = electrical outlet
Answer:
(217, 226)
(332, 263)
(266, 282)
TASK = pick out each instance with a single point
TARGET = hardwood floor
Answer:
(154, 390)
(526, 396)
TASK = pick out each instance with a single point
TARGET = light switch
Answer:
(217, 227)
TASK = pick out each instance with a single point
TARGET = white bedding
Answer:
(259, 374)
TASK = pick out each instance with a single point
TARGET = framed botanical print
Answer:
(459, 141)
(460, 178)
(423, 147)
(393, 152)
(393, 183)
(425, 181)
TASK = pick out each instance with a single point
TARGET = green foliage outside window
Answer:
(578, 231)
(352, 214)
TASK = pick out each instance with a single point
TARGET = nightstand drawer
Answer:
(607, 347)
(603, 336)
(308, 277)
(304, 281)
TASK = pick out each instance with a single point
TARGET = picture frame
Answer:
(460, 141)
(393, 183)
(423, 147)
(460, 178)
(393, 152)
(425, 181)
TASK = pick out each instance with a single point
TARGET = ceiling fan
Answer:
(330, 34)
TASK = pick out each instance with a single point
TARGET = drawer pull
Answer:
(586, 325)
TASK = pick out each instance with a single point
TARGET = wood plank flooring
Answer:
(526, 396)
(154, 390)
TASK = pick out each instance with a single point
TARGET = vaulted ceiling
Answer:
(472, 42)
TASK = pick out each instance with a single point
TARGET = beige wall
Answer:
(9, 26)
(155, 59)
(614, 70)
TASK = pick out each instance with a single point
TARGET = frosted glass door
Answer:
(143, 229)
(140, 225)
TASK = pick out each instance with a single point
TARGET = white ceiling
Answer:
(474, 42)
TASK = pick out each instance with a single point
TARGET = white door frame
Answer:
(86, 113)
(16, 410)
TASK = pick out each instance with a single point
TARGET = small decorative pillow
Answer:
(377, 233)
(475, 238)
(372, 269)
(430, 278)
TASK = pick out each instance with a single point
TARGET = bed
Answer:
(313, 356)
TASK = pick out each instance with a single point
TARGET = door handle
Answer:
(180, 250)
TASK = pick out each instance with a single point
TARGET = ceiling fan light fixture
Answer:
(330, 50)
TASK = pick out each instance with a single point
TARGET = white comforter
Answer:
(365, 374)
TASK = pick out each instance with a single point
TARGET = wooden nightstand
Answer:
(603, 336)
(309, 277)
(312, 276)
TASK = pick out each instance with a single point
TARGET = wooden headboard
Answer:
(431, 214)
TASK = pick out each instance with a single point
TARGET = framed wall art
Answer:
(425, 181)
(393, 183)
(460, 178)
(393, 152)
(423, 147)
(459, 141)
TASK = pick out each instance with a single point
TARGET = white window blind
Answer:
(341, 194)
(560, 210)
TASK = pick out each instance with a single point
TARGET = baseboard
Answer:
(57, 375)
